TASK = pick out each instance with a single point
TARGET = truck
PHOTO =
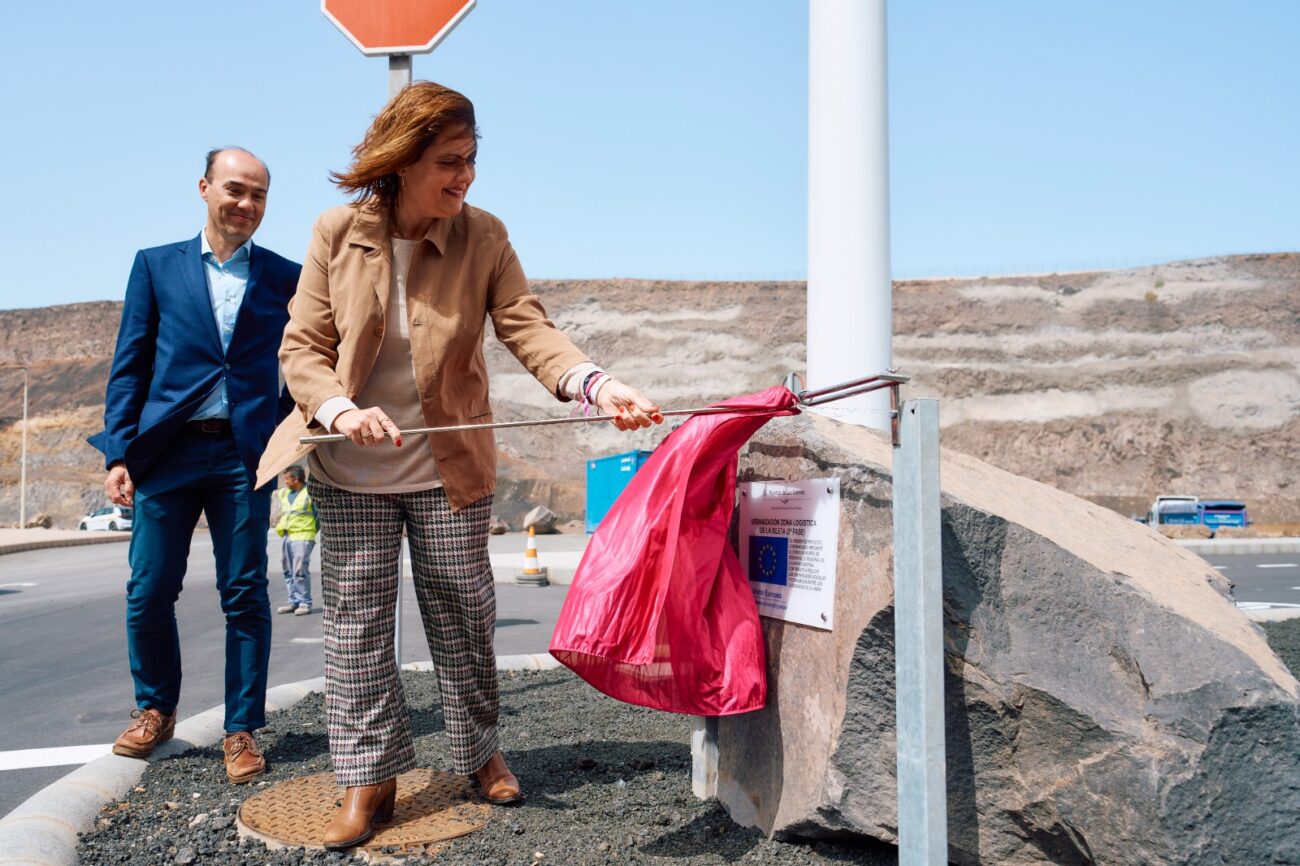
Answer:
(1223, 512)
(1177, 510)
(1193, 511)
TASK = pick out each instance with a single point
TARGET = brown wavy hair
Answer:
(397, 138)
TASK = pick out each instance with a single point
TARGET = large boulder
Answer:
(1106, 702)
(541, 520)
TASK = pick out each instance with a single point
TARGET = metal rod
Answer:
(501, 425)
(806, 398)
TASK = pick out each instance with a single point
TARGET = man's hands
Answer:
(632, 410)
(118, 486)
(367, 426)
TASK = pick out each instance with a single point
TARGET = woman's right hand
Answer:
(367, 426)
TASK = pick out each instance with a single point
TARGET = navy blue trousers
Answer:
(199, 474)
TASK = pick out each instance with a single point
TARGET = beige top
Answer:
(385, 468)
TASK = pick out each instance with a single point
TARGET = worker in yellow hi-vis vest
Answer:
(297, 526)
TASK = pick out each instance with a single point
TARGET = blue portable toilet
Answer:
(606, 478)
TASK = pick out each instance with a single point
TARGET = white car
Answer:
(110, 517)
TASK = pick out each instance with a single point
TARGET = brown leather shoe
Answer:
(362, 807)
(244, 759)
(496, 783)
(149, 731)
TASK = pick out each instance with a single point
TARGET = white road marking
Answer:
(1277, 565)
(306, 640)
(7, 585)
(1220, 567)
(59, 756)
(1262, 605)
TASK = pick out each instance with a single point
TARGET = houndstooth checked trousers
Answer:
(365, 706)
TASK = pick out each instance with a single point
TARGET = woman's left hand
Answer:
(628, 406)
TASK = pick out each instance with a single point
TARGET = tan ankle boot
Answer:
(362, 808)
(496, 783)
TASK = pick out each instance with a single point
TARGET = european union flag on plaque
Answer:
(769, 558)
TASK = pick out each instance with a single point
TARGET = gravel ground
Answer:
(607, 783)
(1284, 638)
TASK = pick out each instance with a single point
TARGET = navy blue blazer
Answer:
(169, 356)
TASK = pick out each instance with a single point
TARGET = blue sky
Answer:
(669, 139)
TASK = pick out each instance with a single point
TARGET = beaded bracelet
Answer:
(586, 381)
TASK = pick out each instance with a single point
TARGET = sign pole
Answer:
(399, 73)
(399, 77)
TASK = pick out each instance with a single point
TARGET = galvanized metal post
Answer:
(399, 76)
(704, 756)
(918, 639)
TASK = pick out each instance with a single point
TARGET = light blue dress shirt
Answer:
(227, 282)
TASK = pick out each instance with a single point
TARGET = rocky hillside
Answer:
(1113, 385)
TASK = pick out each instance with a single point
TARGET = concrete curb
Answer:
(42, 830)
(1236, 546)
(91, 538)
(1272, 614)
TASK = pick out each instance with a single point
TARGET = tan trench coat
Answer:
(464, 273)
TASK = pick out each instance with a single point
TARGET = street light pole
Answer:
(22, 472)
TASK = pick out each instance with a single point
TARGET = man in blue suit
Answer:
(193, 396)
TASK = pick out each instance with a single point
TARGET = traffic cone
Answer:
(532, 574)
(530, 554)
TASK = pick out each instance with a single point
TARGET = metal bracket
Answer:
(852, 388)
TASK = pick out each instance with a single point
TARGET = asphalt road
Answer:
(1262, 579)
(64, 679)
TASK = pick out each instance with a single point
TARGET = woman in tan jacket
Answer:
(385, 334)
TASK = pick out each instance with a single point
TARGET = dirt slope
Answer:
(1112, 385)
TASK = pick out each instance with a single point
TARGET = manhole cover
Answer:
(432, 806)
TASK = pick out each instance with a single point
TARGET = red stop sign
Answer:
(396, 26)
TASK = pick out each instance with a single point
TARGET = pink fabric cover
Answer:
(659, 613)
